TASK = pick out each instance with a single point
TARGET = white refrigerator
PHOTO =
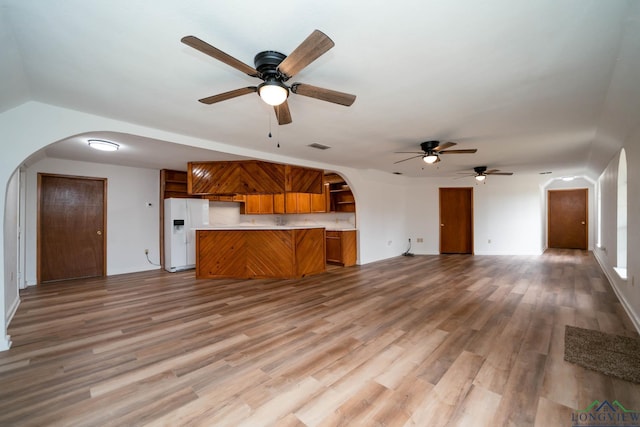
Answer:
(181, 216)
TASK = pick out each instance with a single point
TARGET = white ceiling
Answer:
(525, 82)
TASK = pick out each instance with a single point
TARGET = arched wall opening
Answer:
(621, 217)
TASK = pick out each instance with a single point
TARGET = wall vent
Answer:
(319, 146)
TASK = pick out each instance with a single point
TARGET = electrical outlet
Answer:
(146, 251)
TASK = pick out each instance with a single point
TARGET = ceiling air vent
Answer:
(319, 146)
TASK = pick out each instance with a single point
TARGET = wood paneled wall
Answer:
(252, 177)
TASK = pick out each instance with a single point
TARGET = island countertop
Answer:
(258, 227)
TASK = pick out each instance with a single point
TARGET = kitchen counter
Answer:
(256, 251)
(259, 227)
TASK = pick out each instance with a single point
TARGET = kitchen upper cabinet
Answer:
(303, 202)
(224, 197)
(320, 202)
(252, 177)
(299, 203)
(257, 204)
(292, 203)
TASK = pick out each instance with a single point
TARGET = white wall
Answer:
(506, 211)
(631, 291)
(11, 228)
(619, 123)
(132, 226)
(628, 290)
(380, 213)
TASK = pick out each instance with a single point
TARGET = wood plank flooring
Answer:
(424, 341)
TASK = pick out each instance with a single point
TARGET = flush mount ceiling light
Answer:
(102, 145)
(273, 92)
(430, 158)
(568, 178)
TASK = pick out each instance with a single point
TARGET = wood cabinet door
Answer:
(266, 203)
(318, 203)
(304, 202)
(567, 218)
(279, 203)
(251, 204)
(349, 247)
(334, 248)
(291, 203)
(456, 220)
(71, 227)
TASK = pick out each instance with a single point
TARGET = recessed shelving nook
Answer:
(340, 194)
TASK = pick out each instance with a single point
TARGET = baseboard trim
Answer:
(12, 310)
(635, 319)
(5, 343)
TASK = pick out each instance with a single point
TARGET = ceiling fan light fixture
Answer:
(430, 158)
(102, 145)
(480, 178)
(273, 92)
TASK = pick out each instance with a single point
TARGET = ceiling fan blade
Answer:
(465, 151)
(444, 146)
(498, 173)
(282, 113)
(228, 95)
(308, 51)
(323, 94)
(490, 171)
(400, 161)
(216, 53)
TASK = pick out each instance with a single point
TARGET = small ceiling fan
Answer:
(274, 69)
(431, 151)
(481, 173)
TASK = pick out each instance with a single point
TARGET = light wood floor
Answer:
(424, 340)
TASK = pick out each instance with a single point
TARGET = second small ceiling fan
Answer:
(274, 69)
(431, 151)
(481, 173)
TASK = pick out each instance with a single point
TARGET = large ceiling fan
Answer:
(481, 173)
(274, 69)
(431, 151)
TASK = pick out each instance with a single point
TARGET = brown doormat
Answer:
(612, 355)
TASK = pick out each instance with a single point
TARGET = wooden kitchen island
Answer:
(246, 252)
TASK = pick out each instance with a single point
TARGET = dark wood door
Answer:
(456, 220)
(71, 227)
(567, 218)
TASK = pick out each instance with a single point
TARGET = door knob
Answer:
(582, 222)
(441, 225)
(99, 233)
